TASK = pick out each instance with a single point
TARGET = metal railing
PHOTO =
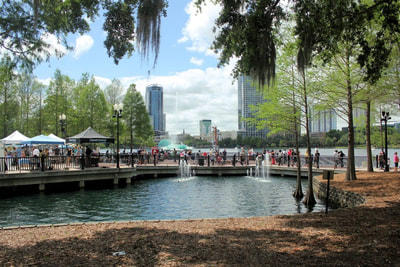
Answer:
(23, 164)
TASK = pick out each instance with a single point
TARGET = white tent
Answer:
(56, 137)
(14, 138)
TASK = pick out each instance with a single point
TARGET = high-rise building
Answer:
(154, 104)
(322, 121)
(205, 129)
(248, 95)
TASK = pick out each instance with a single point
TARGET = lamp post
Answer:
(63, 122)
(117, 114)
(385, 118)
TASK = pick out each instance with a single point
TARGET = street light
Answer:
(63, 122)
(385, 118)
(117, 114)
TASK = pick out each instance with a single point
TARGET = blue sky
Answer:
(194, 88)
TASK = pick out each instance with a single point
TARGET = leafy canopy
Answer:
(26, 26)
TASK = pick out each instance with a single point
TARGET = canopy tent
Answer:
(89, 136)
(42, 140)
(15, 138)
(56, 137)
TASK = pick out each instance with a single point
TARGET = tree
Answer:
(7, 96)
(91, 106)
(26, 26)
(281, 111)
(246, 30)
(38, 119)
(136, 117)
(323, 25)
(59, 100)
(113, 92)
(249, 30)
(25, 86)
(113, 95)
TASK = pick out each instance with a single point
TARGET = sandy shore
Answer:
(368, 235)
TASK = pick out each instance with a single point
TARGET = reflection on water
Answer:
(158, 199)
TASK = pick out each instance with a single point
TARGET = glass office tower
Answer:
(155, 107)
(248, 95)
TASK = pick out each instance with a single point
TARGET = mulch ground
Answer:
(368, 235)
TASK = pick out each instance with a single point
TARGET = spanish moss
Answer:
(149, 26)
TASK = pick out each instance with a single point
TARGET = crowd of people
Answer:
(72, 155)
(18, 155)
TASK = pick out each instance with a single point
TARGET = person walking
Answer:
(396, 161)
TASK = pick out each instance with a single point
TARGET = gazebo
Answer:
(89, 136)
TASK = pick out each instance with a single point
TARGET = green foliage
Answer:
(227, 142)
(92, 105)
(323, 25)
(33, 108)
(194, 142)
(119, 26)
(136, 117)
(7, 96)
(246, 31)
(25, 25)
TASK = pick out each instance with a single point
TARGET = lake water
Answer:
(159, 199)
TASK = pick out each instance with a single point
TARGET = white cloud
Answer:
(82, 45)
(102, 82)
(45, 81)
(191, 96)
(196, 61)
(199, 28)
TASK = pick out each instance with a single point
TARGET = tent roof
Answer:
(15, 138)
(56, 137)
(42, 140)
(90, 136)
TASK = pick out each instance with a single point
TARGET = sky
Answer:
(194, 88)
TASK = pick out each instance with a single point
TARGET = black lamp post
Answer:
(63, 122)
(117, 114)
(385, 118)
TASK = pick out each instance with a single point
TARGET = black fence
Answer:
(20, 164)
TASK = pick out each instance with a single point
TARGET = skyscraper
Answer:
(155, 107)
(323, 120)
(205, 129)
(248, 95)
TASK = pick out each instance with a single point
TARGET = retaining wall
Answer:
(345, 199)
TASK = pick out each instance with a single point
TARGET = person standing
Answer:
(175, 153)
(224, 156)
(316, 158)
(396, 161)
(335, 159)
(88, 156)
(69, 155)
(381, 160)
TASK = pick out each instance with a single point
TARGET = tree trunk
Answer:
(131, 134)
(298, 192)
(309, 200)
(370, 166)
(351, 167)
